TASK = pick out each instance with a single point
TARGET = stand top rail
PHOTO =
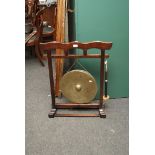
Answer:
(75, 44)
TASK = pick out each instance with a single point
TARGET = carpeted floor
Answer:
(71, 136)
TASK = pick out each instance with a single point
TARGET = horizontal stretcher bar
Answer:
(79, 56)
(76, 115)
(77, 105)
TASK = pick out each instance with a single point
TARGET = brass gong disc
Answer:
(78, 86)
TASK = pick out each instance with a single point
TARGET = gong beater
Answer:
(78, 86)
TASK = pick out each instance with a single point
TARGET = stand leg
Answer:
(102, 113)
(52, 113)
(101, 78)
(50, 67)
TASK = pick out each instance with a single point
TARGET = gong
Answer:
(78, 86)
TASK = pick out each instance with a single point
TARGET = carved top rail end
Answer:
(75, 44)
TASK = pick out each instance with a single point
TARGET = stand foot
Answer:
(52, 113)
(102, 113)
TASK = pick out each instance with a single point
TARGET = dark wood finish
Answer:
(30, 9)
(71, 45)
(78, 56)
(77, 105)
(76, 115)
(34, 38)
(66, 47)
(27, 39)
(51, 78)
(36, 15)
(102, 77)
(65, 54)
(49, 15)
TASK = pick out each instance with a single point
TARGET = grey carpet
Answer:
(70, 136)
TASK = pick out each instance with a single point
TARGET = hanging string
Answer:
(70, 67)
(81, 65)
(76, 62)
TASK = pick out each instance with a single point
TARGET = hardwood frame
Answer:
(66, 47)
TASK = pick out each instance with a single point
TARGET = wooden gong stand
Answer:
(66, 47)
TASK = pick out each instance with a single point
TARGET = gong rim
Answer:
(78, 86)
